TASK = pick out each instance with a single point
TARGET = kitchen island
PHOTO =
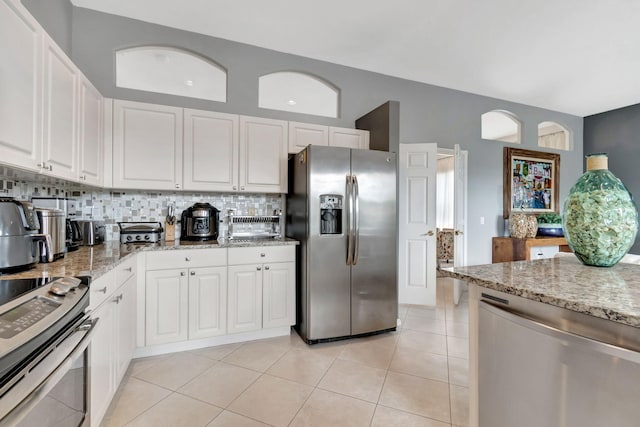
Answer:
(553, 342)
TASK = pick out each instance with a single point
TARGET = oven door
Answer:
(55, 391)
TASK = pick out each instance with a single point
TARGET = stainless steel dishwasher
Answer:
(544, 366)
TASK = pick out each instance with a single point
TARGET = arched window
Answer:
(500, 125)
(554, 135)
(170, 70)
(298, 92)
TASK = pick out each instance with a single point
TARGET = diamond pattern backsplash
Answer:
(114, 206)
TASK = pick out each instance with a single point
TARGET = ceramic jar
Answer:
(600, 220)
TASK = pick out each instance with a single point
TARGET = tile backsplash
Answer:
(114, 206)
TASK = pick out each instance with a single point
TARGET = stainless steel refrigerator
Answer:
(341, 206)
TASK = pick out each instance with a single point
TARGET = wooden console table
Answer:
(507, 249)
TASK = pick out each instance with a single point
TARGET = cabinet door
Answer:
(20, 86)
(210, 151)
(60, 109)
(207, 302)
(263, 155)
(279, 294)
(303, 134)
(125, 332)
(348, 138)
(166, 306)
(245, 298)
(147, 146)
(90, 133)
(101, 361)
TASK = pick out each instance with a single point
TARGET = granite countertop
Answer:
(609, 293)
(97, 260)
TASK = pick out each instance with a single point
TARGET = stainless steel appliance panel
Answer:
(328, 287)
(53, 223)
(374, 290)
(532, 374)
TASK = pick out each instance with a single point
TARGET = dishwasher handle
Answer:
(537, 326)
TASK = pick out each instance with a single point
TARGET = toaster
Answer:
(92, 231)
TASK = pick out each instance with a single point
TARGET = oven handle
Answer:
(44, 382)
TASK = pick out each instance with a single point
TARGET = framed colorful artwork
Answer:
(531, 181)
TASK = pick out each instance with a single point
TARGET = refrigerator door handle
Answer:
(349, 197)
(356, 219)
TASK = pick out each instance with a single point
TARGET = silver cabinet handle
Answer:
(117, 299)
(187, 259)
(242, 187)
(182, 273)
(263, 255)
(193, 273)
(129, 269)
(177, 185)
(235, 187)
(103, 290)
(266, 267)
(258, 268)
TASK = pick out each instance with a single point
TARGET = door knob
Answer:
(458, 232)
(428, 233)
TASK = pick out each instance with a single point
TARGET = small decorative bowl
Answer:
(550, 230)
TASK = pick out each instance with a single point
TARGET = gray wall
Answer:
(617, 133)
(427, 113)
(55, 17)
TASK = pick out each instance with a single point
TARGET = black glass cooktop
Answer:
(13, 288)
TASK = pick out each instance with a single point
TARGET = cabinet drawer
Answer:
(261, 254)
(101, 288)
(186, 258)
(125, 270)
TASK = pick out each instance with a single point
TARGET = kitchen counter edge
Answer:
(95, 261)
(609, 293)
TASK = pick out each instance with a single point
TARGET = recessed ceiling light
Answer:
(291, 102)
(188, 82)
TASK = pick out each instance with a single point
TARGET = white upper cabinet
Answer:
(303, 134)
(20, 86)
(147, 146)
(90, 133)
(60, 111)
(348, 138)
(211, 146)
(263, 155)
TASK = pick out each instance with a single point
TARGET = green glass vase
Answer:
(600, 220)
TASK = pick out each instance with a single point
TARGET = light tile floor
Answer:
(417, 376)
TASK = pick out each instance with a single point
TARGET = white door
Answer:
(263, 155)
(147, 146)
(245, 298)
(20, 86)
(210, 151)
(303, 134)
(60, 135)
(90, 141)
(417, 224)
(279, 294)
(166, 306)
(207, 302)
(459, 216)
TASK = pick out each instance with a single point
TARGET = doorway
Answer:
(418, 255)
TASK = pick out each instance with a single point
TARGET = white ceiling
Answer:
(575, 56)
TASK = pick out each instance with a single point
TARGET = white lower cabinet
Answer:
(279, 294)
(185, 303)
(114, 341)
(245, 298)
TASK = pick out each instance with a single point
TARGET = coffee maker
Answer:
(73, 232)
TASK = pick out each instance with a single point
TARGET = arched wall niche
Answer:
(555, 135)
(298, 92)
(171, 70)
(501, 125)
